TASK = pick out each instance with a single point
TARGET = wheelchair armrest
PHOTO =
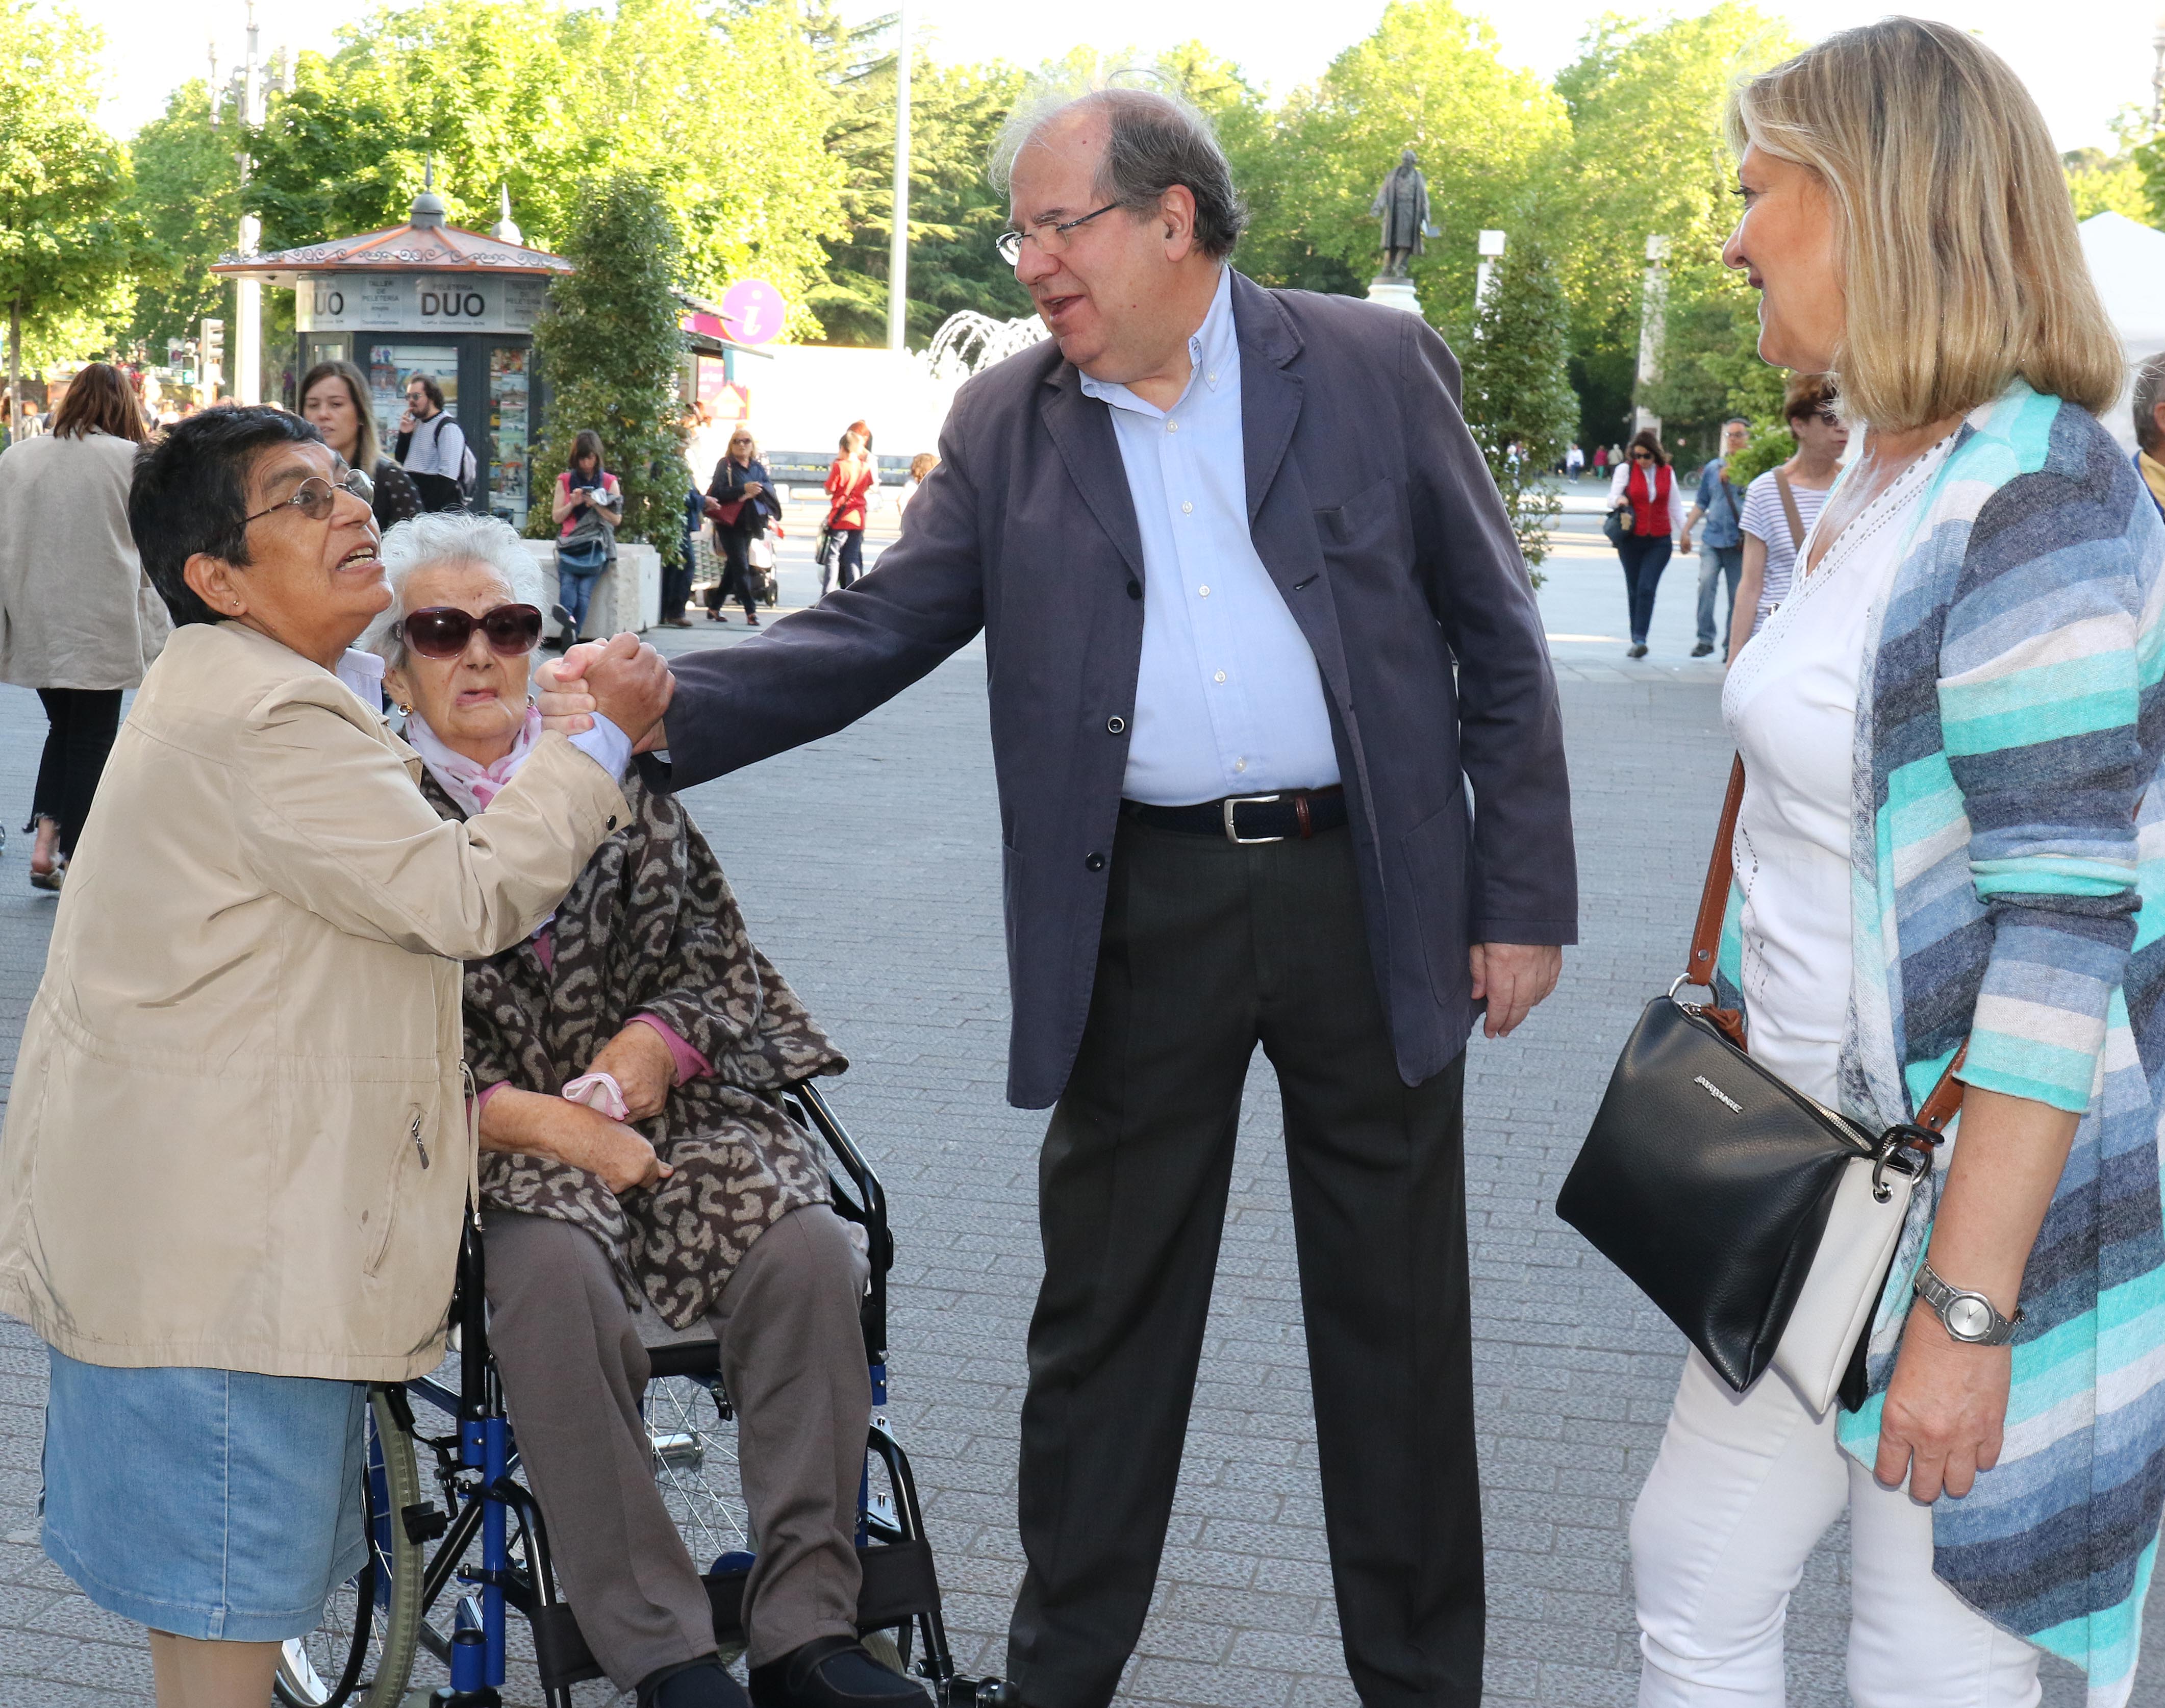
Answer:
(686, 1358)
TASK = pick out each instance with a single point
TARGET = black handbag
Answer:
(1616, 526)
(1709, 1180)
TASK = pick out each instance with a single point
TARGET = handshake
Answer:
(623, 679)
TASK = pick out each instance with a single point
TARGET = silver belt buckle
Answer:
(1232, 832)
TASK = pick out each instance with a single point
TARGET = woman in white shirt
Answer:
(1770, 544)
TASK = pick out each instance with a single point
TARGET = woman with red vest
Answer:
(1645, 488)
(848, 481)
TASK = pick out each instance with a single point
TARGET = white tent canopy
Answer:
(2127, 260)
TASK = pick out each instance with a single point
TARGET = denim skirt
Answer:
(212, 1504)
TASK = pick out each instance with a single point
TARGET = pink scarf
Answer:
(472, 786)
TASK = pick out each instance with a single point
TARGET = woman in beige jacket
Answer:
(237, 1149)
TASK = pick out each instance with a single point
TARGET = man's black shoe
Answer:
(1702, 649)
(832, 1672)
(700, 1684)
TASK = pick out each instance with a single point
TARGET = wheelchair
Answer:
(455, 1555)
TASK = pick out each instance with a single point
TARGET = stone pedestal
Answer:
(627, 597)
(1394, 294)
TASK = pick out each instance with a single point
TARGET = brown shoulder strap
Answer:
(1789, 509)
(1946, 1100)
(1713, 898)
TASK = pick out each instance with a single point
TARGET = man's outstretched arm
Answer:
(820, 670)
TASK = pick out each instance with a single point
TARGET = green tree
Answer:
(1518, 396)
(610, 347)
(1710, 364)
(65, 242)
(2101, 183)
(186, 196)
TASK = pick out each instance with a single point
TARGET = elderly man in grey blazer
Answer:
(1279, 763)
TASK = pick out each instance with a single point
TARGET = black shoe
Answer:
(692, 1684)
(832, 1672)
(1703, 649)
(570, 629)
(1637, 649)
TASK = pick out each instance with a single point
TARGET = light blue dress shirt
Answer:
(1228, 700)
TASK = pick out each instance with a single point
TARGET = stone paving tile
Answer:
(868, 865)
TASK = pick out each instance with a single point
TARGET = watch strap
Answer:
(1937, 1294)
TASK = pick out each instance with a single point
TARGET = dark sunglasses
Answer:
(1642, 456)
(442, 631)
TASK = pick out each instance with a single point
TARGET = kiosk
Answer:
(427, 298)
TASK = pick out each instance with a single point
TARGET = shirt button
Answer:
(1220, 677)
(1187, 508)
(1096, 862)
(1173, 426)
(1202, 593)
(1240, 765)
(1115, 724)
(1211, 379)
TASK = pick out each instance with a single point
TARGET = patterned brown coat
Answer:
(650, 927)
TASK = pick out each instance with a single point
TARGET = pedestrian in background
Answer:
(335, 398)
(1645, 489)
(1721, 545)
(588, 509)
(1782, 505)
(78, 621)
(849, 483)
(2149, 406)
(920, 466)
(431, 448)
(677, 584)
(1574, 462)
(742, 500)
(1952, 734)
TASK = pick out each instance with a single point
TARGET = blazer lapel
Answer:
(1082, 431)
(1270, 391)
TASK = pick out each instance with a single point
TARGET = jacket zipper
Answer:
(414, 1133)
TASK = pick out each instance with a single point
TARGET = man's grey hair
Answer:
(2149, 392)
(448, 537)
(1154, 140)
(1743, 421)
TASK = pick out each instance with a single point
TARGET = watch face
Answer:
(1968, 1318)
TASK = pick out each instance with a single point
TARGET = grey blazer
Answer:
(1374, 513)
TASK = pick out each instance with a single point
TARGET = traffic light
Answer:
(213, 353)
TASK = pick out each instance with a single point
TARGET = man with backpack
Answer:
(432, 450)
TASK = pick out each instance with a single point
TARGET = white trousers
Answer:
(1744, 1487)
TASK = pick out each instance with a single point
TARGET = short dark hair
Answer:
(100, 400)
(1153, 141)
(586, 442)
(2149, 392)
(190, 494)
(1807, 395)
(430, 389)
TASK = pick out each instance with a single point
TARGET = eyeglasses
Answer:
(1642, 456)
(1051, 240)
(315, 496)
(442, 631)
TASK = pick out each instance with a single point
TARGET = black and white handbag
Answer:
(1759, 1221)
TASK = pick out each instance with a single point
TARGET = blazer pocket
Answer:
(1367, 524)
(1435, 851)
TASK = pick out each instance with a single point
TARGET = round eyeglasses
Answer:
(1051, 240)
(315, 496)
(442, 631)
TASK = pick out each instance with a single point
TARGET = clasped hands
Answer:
(624, 680)
(536, 1125)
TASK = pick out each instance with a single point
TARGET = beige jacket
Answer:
(76, 608)
(236, 1137)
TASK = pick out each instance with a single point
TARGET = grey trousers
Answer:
(793, 1362)
(1208, 951)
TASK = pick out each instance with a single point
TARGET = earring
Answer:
(403, 708)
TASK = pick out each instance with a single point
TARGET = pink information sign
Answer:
(752, 310)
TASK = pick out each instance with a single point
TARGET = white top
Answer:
(1790, 705)
(1623, 475)
(1763, 518)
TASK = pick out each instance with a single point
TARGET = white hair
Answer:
(448, 537)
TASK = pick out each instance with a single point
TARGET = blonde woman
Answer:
(1950, 729)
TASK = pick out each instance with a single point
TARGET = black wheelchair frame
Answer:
(482, 1499)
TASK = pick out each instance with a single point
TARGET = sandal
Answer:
(50, 880)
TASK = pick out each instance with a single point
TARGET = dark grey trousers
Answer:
(794, 1363)
(1208, 950)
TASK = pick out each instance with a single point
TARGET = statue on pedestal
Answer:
(1402, 204)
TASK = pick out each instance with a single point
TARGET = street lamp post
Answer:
(2158, 76)
(1653, 330)
(248, 293)
(898, 247)
(1489, 246)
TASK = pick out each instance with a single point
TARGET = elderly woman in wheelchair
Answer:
(634, 1159)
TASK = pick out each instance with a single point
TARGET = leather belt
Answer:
(1245, 819)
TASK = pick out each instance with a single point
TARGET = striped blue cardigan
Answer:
(2005, 837)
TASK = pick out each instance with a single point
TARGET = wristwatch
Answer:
(1969, 1317)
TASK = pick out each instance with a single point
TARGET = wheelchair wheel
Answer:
(693, 1437)
(362, 1653)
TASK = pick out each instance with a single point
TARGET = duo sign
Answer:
(418, 303)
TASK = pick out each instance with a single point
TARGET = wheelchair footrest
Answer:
(899, 1583)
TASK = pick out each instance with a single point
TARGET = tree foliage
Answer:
(186, 194)
(1518, 396)
(67, 242)
(610, 347)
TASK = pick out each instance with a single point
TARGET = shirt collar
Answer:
(1213, 354)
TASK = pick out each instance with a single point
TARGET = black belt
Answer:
(1251, 818)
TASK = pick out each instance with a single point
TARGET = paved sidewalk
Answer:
(868, 864)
